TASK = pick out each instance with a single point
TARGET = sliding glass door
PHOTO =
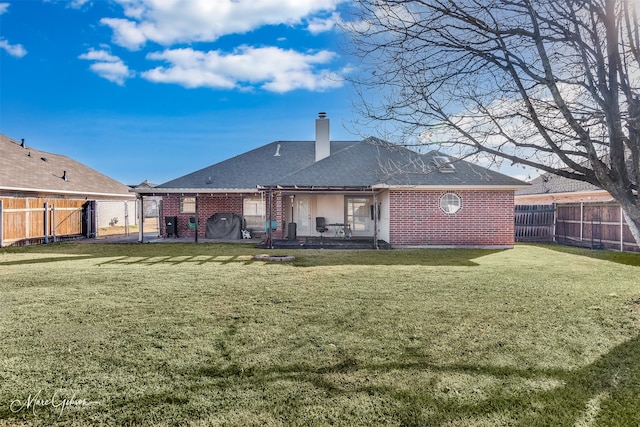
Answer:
(358, 215)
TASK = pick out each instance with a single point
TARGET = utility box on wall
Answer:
(171, 226)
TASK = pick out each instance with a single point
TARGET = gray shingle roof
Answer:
(26, 169)
(550, 184)
(351, 164)
(256, 167)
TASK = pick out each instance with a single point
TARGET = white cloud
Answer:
(271, 68)
(77, 4)
(182, 21)
(107, 66)
(16, 50)
(321, 25)
(13, 49)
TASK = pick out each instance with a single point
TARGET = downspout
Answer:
(269, 227)
(375, 221)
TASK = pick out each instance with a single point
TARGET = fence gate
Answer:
(535, 223)
(27, 220)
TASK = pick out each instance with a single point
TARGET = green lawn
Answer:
(185, 334)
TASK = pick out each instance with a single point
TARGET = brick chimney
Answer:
(323, 146)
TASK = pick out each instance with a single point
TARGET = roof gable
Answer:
(26, 169)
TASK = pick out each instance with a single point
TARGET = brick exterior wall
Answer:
(211, 204)
(485, 219)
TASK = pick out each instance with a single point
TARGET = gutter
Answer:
(160, 191)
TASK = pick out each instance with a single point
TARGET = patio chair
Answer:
(321, 226)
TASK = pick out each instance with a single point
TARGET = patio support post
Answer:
(269, 224)
(197, 219)
(141, 220)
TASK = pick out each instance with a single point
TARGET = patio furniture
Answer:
(342, 230)
(321, 225)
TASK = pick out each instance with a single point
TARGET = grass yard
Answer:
(199, 335)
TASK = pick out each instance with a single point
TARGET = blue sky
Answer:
(152, 89)
(155, 89)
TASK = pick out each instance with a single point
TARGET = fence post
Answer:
(1, 223)
(621, 230)
(126, 218)
(582, 221)
(46, 222)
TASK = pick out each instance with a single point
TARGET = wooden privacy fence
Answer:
(595, 225)
(535, 223)
(40, 220)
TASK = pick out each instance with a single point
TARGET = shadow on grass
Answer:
(626, 258)
(220, 253)
(606, 391)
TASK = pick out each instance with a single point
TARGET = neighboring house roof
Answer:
(144, 184)
(553, 188)
(550, 183)
(352, 164)
(27, 170)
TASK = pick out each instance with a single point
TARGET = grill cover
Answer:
(224, 226)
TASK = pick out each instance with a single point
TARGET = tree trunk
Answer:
(632, 216)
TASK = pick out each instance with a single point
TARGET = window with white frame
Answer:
(254, 213)
(187, 205)
(450, 203)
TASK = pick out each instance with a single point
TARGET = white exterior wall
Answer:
(107, 210)
(383, 221)
(330, 206)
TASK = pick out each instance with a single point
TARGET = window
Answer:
(187, 205)
(444, 164)
(358, 215)
(253, 209)
(450, 203)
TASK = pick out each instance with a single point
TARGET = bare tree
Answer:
(549, 84)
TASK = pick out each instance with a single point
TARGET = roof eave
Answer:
(66, 192)
(451, 187)
(160, 191)
(567, 193)
(315, 187)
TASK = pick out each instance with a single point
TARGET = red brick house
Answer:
(371, 189)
